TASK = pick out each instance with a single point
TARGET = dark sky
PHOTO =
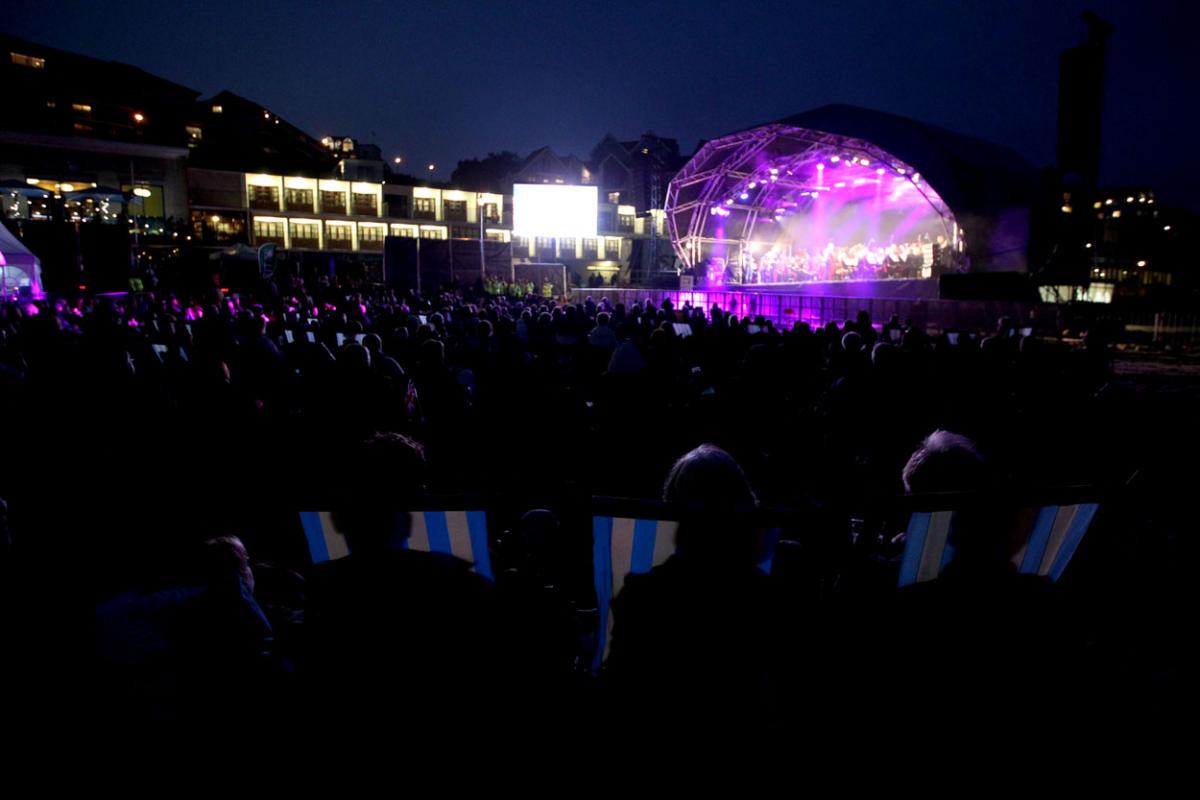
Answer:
(439, 81)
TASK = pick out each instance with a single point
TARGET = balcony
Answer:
(372, 245)
(420, 213)
(306, 243)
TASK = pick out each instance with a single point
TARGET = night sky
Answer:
(440, 81)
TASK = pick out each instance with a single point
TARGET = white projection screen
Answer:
(554, 210)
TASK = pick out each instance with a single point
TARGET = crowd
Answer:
(157, 448)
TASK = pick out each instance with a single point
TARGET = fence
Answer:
(786, 309)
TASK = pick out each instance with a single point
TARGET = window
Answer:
(298, 199)
(455, 210)
(339, 236)
(459, 232)
(625, 222)
(370, 237)
(398, 206)
(334, 202)
(566, 247)
(306, 234)
(407, 231)
(27, 61)
(218, 109)
(491, 213)
(521, 243)
(364, 205)
(612, 248)
(614, 197)
(545, 244)
(194, 133)
(82, 108)
(495, 236)
(424, 208)
(51, 104)
(590, 248)
(266, 232)
(433, 233)
(264, 197)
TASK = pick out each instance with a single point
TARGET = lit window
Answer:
(218, 109)
(1117, 214)
(79, 126)
(1066, 209)
(194, 133)
(51, 104)
(82, 108)
(28, 61)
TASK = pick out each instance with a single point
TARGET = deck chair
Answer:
(1052, 534)
(462, 534)
(624, 545)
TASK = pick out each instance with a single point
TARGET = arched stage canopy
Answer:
(840, 191)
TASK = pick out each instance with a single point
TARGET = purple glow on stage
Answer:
(878, 222)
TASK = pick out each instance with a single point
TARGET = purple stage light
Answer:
(880, 171)
(744, 196)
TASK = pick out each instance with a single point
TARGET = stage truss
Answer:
(736, 182)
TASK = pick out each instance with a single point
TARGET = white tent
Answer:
(20, 270)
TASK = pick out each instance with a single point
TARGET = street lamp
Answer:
(397, 160)
(431, 167)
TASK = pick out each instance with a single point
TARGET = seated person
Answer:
(692, 638)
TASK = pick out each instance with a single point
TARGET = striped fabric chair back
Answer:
(462, 534)
(624, 545)
(1052, 535)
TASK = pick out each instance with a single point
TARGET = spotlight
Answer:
(744, 196)
(729, 202)
(1166, 227)
(819, 166)
(752, 185)
(1088, 245)
(835, 159)
(880, 171)
(1141, 263)
(899, 172)
(138, 117)
(864, 162)
(839, 184)
(1108, 202)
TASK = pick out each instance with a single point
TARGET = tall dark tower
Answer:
(1081, 103)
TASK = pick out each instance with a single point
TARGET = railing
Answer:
(785, 309)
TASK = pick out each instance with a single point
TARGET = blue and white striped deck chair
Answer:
(1053, 536)
(625, 545)
(457, 533)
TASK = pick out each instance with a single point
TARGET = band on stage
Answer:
(923, 257)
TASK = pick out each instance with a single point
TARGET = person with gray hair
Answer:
(946, 462)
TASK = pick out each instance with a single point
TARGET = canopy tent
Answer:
(20, 270)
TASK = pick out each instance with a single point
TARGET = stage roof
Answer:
(849, 160)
